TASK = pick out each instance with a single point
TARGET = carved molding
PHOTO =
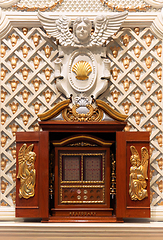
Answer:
(122, 7)
(9, 20)
(55, 111)
(155, 3)
(83, 138)
(157, 25)
(110, 111)
(7, 3)
(71, 115)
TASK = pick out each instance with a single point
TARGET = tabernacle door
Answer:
(32, 183)
(132, 169)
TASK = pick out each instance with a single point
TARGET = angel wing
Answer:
(29, 149)
(57, 28)
(24, 150)
(105, 27)
(144, 160)
(21, 158)
(135, 153)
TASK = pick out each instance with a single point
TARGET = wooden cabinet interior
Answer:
(86, 173)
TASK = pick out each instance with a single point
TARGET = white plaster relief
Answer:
(85, 6)
(7, 3)
(155, 3)
(105, 27)
(5, 24)
(28, 19)
(87, 49)
(157, 25)
(9, 20)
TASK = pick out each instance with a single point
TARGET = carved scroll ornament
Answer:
(26, 171)
(138, 174)
(71, 115)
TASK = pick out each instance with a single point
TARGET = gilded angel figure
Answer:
(138, 174)
(26, 171)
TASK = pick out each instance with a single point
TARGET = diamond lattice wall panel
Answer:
(136, 90)
(28, 88)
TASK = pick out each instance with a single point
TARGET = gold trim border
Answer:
(82, 154)
(81, 186)
(83, 138)
(33, 8)
(110, 111)
(54, 111)
(57, 109)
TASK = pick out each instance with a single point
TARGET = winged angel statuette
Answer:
(138, 174)
(76, 68)
(26, 171)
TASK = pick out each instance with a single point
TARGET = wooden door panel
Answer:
(127, 207)
(34, 206)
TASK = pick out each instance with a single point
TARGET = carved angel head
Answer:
(31, 156)
(133, 160)
(105, 27)
(82, 29)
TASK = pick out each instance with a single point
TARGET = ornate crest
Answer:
(138, 174)
(82, 70)
(26, 171)
(93, 115)
(80, 50)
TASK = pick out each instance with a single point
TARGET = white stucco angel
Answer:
(82, 65)
(104, 27)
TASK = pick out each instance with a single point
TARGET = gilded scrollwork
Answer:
(138, 174)
(26, 171)
(71, 115)
(82, 144)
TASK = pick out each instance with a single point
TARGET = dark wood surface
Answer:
(35, 206)
(64, 210)
(62, 126)
(124, 207)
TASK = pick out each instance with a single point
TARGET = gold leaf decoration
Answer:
(82, 69)
(138, 174)
(26, 171)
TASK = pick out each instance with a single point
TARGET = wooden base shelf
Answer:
(112, 219)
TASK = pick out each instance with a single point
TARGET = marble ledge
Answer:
(17, 229)
(80, 231)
